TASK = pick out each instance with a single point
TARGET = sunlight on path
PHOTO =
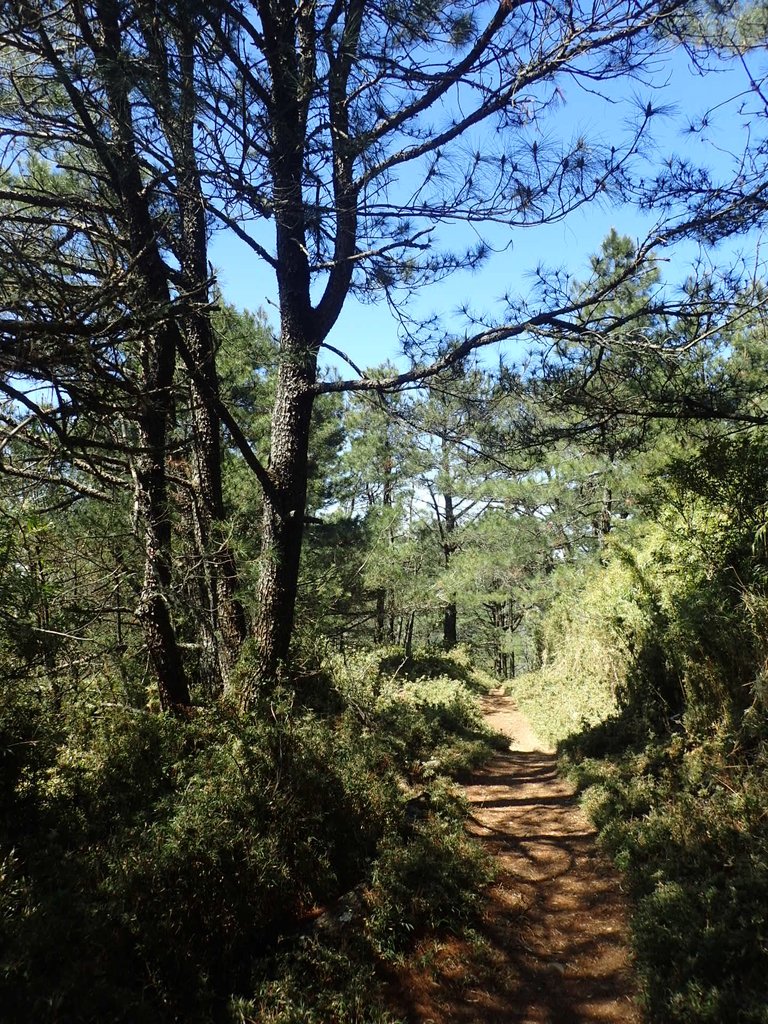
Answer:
(552, 945)
(572, 941)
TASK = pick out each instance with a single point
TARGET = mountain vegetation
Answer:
(248, 602)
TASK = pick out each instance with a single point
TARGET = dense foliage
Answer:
(655, 684)
(151, 868)
(246, 602)
(162, 866)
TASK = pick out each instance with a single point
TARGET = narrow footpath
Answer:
(553, 943)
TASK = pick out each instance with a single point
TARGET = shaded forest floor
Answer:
(551, 946)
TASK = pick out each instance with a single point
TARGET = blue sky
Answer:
(368, 333)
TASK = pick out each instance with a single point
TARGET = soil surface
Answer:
(552, 947)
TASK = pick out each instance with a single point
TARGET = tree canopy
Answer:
(337, 141)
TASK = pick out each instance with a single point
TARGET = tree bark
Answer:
(385, 625)
(408, 643)
(153, 518)
(381, 616)
(119, 155)
(449, 526)
(283, 520)
(222, 615)
(223, 611)
(449, 626)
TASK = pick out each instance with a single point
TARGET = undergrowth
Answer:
(653, 685)
(158, 870)
(682, 811)
(684, 816)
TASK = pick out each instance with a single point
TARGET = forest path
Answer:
(555, 943)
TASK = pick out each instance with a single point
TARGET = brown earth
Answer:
(552, 945)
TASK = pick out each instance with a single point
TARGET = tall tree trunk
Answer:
(380, 621)
(157, 356)
(385, 600)
(449, 526)
(606, 514)
(391, 627)
(509, 625)
(223, 613)
(226, 625)
(154, 519)
(284, 508)
(449, 626)
(388, 500)
(497, 617)
(408, 643)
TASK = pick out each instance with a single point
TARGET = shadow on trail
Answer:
(551, 945)
(559, 930)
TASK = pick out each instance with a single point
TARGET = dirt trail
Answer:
(555, 938)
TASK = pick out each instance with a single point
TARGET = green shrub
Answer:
(159, 862)
(328, 982)
(418, 715)
(393, 663)
(684, 816)
(433, 881)
(183, 849)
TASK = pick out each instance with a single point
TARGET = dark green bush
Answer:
(182, 849)
(158, 862)
(684, 816)
(433, 881)
(332, 981)
(29, 735)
